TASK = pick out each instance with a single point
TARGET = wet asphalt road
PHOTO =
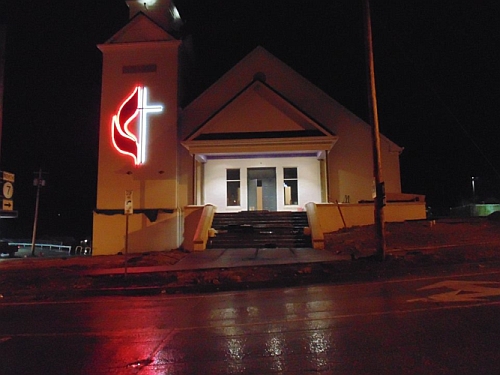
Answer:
(432, 325)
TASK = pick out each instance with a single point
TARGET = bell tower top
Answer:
(163, 12)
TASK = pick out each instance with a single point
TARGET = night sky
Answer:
(436, 65)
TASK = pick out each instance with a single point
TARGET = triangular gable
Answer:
(261, 111)
(259, 120)
(140, 29)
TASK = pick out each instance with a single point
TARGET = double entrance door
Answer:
(261, 189)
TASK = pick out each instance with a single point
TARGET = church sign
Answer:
(129, 127)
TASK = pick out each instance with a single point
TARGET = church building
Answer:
(261, 138)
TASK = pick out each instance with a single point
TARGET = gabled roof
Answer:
(291, 87)
(258, 109)
(140, 28)
(259, 119)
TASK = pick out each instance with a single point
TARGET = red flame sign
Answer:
(129, 125)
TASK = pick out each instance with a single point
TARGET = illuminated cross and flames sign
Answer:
(129, 130)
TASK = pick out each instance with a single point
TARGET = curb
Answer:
(418, 261)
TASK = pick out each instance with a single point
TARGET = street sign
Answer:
(7, 204)
(8, 189)
(38, 182)
(129, 202)
(7, 176)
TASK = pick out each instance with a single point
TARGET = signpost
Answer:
(7, 181)
(129, 210)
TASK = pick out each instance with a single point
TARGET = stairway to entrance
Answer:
(260, 229)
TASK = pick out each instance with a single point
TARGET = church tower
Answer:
(138, 157)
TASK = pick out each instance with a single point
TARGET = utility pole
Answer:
(379, 201)
(38, 182)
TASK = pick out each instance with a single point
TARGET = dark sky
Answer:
(437, 79)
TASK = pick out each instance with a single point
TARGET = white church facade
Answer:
(262, 137)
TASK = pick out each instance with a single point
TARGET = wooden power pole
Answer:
(379, 201)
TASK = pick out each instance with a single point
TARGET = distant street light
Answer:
(473, 180)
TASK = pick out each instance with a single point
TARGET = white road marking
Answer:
(461, 291)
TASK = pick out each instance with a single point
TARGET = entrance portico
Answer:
(259, 177)
(283, 182)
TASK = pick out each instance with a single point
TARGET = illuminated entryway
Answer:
(253, 182)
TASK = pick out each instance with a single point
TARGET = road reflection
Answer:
(369, 328)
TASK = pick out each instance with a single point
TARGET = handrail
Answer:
(42, 245)
(201, 235)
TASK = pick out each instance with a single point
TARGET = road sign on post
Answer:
(7, 176)
(7, 205)
(7, 192)
(129, 210)
(7, 189)
(129, 202)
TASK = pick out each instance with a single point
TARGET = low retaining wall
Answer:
(328, 217)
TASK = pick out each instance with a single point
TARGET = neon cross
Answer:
(135, 106)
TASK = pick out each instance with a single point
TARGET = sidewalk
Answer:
(413, 249)
(233, 258)
(241, 269)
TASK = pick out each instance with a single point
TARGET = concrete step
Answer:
(260, 229)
